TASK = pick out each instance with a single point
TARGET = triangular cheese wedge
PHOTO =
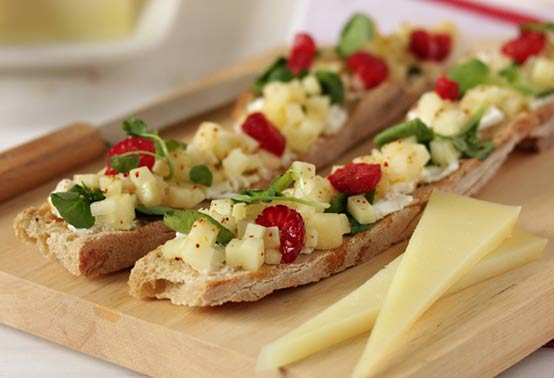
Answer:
(356, 313)
(454, 233)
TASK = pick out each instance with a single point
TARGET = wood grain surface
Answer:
(476, 333)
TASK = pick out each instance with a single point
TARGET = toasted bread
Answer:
(157, 277)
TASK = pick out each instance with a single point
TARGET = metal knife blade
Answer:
(188, 101)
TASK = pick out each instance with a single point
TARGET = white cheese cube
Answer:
(235, 163)
(247, 254)
(91, 180)
(147, 188)
(116, 211)
(361, 209)
(273, 256)
(330, 229)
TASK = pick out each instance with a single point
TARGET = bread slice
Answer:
(375, 110)
(156, 277)
(88, 254)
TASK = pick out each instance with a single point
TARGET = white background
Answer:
(208, 35)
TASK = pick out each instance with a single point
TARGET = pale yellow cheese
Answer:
(356, 313)
(454, 233)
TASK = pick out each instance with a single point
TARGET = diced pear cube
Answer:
(110, 185)
(318, 106)
(239, 211)
(184, 196)
(226, 141)
(205, 140)
(403, 161)
(443, 152)
(301, 137)
(241, 227)
(301, 170)
(450, 122)
(272, 237)
(235, 163)
(204, 232)
(222, 206)
(247, 254)
(226, 220)
(160, 168)
(294, 113)
(310, 237)
(330, 228)
(311, 85)
(116, 211)
(147, 188)
(202, 257)
(91, 180)
(306, 211)
(273, 256)
(361, 209)
(254, 230)
(316, 189)
(428, 107)
(248, 144)
(269, 161)
(542, 72)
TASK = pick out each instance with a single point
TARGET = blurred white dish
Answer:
(153, 24)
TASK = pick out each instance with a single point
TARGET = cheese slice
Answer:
(356, 313)
(454, 233)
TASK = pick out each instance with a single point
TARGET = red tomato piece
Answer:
(447, 89)
(302, 53)
(529, 43)
(270, 138)
(370, 69)
(356, 178)
(132, 144)
(291, 229)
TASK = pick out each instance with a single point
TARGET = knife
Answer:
(31, 164)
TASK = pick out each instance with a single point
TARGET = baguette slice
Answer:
(154, 276)
(88, 254)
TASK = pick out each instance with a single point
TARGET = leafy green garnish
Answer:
(277, 71)
(337, 204)
(370, 197)
(468, 142)
(153, 210)
(280, 183)
(470, 74)
(173, 145)
(413, 70)
(201, 174)
(356, 227)
(182, 221)
(415, 127)
(331, 85)
(357, 31)
(512, 75)
(543, 27)
(137, 128)
(74, 205)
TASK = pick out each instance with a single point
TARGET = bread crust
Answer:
(88, 254)
(156, 277)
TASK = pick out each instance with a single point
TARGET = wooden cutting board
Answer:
(478, 332)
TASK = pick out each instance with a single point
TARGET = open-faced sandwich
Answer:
(307, 103)
(326, 99)
(305, 227)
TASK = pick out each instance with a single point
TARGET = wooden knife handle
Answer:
(27, 166)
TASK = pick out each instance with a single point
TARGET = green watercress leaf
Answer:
(277, 71)
(543, 27)
(470, 74)
(370, 197)
(182, 221)
(201, 174)
(358, 30)
(135, 127)
(356, 227)
(512, 75)
(173, 145)
(415, 127)
(331, 85)
(280, 183)
(74, 205)
(468, 141)
(337, 204)
(124, 163)
(154, 210)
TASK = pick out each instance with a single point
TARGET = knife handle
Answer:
(31, 164)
